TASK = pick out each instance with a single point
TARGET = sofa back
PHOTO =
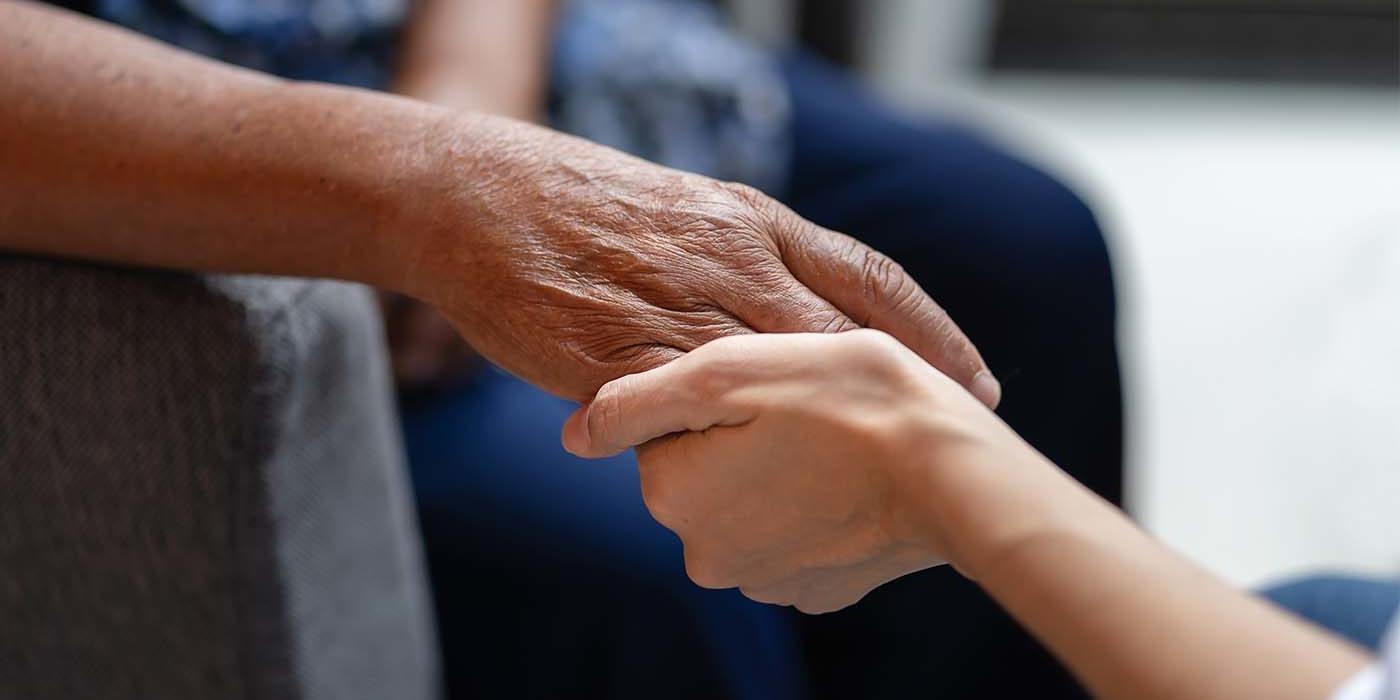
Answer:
(202, 491)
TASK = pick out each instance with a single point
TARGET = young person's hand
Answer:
(802, 463)
(807, 470)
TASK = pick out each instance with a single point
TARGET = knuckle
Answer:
(886, 279)
(871, 351)
(823, 604)
(710, 381)
(762, 212)
(765, 595)
(807, 607)
(658, 497)
(745, 194)
(870, 340)
(605, 413)
(834, 323)
(704, 570)
(718, 349)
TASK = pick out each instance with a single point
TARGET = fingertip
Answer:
(575, 433)
(987, 389)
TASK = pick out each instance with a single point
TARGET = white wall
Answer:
(1256, 231)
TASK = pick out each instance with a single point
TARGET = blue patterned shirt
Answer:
(663, 79)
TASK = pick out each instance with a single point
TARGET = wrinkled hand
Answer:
(800, 461)
(584, 264)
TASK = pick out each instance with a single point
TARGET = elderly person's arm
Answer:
(564, 262)
(475, 55)
(807, 470)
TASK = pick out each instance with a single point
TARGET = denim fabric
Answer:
(1360, 609)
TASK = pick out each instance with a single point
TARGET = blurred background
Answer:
(1243, 156)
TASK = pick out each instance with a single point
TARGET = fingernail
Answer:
(987, 389)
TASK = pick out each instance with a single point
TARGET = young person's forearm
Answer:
(488, 55)
(116, 148)
(1130, 618)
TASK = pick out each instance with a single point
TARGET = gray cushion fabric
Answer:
(202, 492)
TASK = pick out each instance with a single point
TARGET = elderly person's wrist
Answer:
(439, 187)
(451, 203)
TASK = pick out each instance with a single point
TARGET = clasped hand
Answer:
(804, 469)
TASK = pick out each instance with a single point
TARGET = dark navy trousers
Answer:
(1358, 608)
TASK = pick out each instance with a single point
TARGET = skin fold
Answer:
(807, 470)
(564, 262)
